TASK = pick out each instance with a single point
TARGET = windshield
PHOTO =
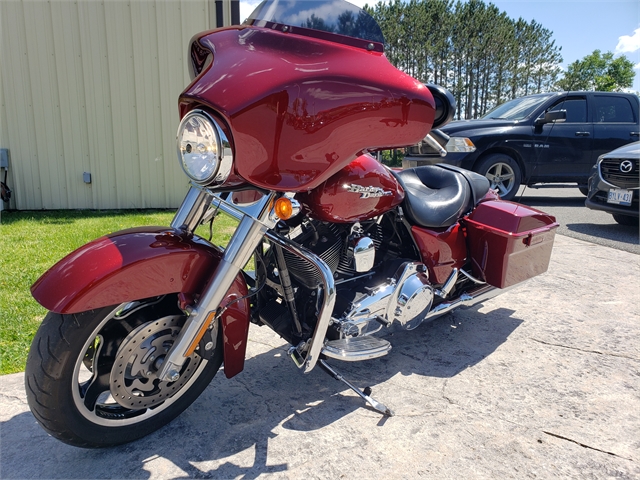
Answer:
(517, 109)
(333, 16)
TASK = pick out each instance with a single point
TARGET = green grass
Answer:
(31, 242)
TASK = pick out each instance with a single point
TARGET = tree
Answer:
(477, 52)
(600, 72)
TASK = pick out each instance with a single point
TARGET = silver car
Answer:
(614, 185)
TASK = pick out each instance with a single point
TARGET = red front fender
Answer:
(141, 263)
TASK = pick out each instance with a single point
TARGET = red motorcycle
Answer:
(276, 129)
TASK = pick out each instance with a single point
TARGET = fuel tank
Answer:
(361, 190)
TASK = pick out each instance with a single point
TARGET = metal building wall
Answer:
(92, 86)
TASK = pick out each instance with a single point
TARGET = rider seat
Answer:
(436, 196)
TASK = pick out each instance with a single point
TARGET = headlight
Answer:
(460, 144)
(204, 151)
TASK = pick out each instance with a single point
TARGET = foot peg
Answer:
(355, 349)
(365, 395)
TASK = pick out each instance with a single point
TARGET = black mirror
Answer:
(445, 105)
(553, 116)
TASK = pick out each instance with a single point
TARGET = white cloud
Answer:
(247, 7)
(637, 66)
(629, 43)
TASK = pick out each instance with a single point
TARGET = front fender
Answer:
(140, 263)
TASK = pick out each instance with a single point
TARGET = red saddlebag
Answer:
(509, 242)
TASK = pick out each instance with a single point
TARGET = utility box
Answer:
(4, 158)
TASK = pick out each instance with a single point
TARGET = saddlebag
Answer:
(509, 242)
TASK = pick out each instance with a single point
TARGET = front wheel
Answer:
(91, 378)
(503, 173)
(625, 219)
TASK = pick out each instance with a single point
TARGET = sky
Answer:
(578, 26)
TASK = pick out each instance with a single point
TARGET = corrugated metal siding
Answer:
(92, 86)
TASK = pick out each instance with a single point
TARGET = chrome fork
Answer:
(254, 223)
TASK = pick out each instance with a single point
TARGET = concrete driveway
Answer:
(541, 382)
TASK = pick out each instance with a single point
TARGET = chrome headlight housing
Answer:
(204, 151)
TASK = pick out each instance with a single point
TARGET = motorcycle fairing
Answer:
(140, 263)
(300, 109)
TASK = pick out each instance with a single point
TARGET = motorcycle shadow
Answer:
(246, 426)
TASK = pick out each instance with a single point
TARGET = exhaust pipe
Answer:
(467, 299)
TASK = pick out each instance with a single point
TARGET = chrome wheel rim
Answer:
(93, 377)
(502, 177)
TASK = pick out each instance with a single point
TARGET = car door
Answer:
(563, 149)
(615, 123)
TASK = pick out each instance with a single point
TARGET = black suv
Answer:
(531, 141)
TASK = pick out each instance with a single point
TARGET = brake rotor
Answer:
(134, 381)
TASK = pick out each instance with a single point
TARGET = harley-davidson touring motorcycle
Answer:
(276, 131)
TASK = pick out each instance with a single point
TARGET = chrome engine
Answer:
(404, 299)
(371, 294)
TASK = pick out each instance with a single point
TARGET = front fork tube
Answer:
(244, 241)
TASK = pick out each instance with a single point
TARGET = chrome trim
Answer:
(433, 143)
(364, 254)
(356, 349)
(193, 208)
(258, 209)
(329, 300)
(385, 299)
(225, 154)
(467, 299)
(448, 285)
(244, 241)
(472, 278)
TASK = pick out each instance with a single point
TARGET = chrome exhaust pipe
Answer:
(466, 299)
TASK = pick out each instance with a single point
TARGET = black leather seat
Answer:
(438, 195)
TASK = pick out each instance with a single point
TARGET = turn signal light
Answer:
(286, 207)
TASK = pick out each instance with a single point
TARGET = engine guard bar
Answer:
(254, 223)
(314, 346)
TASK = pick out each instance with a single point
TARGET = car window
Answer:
(517, 109)
(576, 109)
(613, 110)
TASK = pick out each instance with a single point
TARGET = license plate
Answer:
(620, 196)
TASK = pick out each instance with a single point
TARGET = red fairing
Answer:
(441, 250)
(362, 190)
(300, 109)
(141, 263)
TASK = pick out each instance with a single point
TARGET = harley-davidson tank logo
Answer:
(368, 192)
(626, 166)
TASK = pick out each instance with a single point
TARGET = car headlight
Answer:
(204, 151)
(460, 144)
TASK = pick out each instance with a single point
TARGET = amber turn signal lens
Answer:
(284, 208)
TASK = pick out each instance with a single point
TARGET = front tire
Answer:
(626, 220)
(503, 173)
(91, 378)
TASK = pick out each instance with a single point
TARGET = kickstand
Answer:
(365, 395)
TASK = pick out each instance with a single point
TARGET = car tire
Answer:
(503, 173)
(584, 191)
(626, 220)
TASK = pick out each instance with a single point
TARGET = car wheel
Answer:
(503, 173)
(626, 220)
(584, 191)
